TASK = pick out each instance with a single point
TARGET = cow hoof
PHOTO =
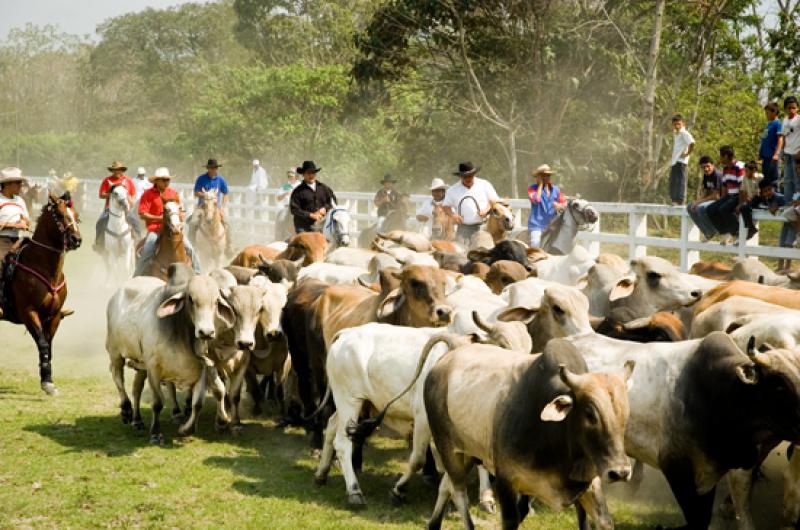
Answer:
(396, 497)
(186, 431)
(221, 426)
(320, 480)
(487, 506)
(156, 439)
(236, 429)
(126, 415)
(316, 454)
(50, 389)
(137, 425)
(178, 418)
(257, 411)
(357, 499)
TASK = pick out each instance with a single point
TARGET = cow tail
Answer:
(359, 432)
(321, 406)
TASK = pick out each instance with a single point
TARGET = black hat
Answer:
(212, 162)
(388, 178)
(308, 167)
(466, 169)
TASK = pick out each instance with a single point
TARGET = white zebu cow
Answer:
(166, 330)
(720, 315)
(375, 363)
(566, 270)
(655, 285)
(331, 273)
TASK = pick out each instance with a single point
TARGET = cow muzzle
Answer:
(619, 474)
(443, 314)
(205, 333)
(273, 335)
(245, 344)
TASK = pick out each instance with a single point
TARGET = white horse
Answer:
(119, 247)
(336, 227)
(210, 235)
(561, 234)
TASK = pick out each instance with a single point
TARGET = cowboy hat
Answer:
(308, 167)
(212, 162)
(11, 174)
(437, 184)
(141, 171)
(465, 169)
(544, 169)
(117, 165)
(388, 178)
(160, 173)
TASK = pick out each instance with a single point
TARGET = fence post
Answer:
(742, 253)
(637, 228)
(594, 246)
(689, 232)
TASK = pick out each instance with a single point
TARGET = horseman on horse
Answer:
(117, 178)
(14, 217)
(211, 180)
(151, 211)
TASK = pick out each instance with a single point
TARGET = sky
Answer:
(72, 16)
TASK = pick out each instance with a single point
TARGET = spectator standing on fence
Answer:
(259, 179)
(789, 143)
(386, 198)
(469, 201)
(546, 201)
(681, 149)
(707, 193)
(769, 151)
(722, 212)
(311, 199)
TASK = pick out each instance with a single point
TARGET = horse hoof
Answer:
(357, 499)
(487, 506)
(156, 439)
(50, 389)
(396, 497)
(320, 480)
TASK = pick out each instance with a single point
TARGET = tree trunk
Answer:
(512, 162)
(649, 165)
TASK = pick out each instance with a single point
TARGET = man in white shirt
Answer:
(141, 183)
(14, 219)
(469, 201)
(425, 210)
(259, 180)
(684, 144)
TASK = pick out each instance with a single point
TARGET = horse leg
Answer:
(33, 324)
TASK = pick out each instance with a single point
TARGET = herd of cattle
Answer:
(530, 367)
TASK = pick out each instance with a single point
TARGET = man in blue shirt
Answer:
(212, 180)
(768, 152)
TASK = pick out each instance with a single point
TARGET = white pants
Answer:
(536, 238)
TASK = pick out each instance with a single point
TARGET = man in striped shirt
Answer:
(722, 212)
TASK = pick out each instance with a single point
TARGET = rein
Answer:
(53, 288)
(334, 227)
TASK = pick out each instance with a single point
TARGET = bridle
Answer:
(581, 226)
(336, 229)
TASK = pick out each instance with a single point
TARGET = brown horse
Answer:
(38, 289)
(443, 227)
(169, 245)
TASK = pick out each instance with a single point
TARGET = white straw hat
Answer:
(141, 171)
(160, 173)
(437, 184)
(11, 174)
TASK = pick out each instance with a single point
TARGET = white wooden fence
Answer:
(251, 215)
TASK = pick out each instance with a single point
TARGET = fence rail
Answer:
(252, 214)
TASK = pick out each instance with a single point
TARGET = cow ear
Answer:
(557, 409)
(478, 254)
(747, 373)
(627, 372)
(225, 312)
(390, 304)
(171, 305)
(738, 323)
(299, 262)
(622, 289)
(517, 314)
(582, 282)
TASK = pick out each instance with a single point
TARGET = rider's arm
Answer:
(104, 189)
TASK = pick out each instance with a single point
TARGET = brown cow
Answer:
(251, 256)
(317, 311)
(310, 246)
(713, 270)
(503, 273)
(774, 295)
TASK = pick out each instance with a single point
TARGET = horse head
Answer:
(502, 214)
(583, 212)
(62, 223)
(209, 206)
(336, 226)
(119, 198)
(442, 225)
(172, 217)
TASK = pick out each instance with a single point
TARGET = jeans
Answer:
(791, 180)
(465, 232)
(722, 216)
(771, 170)
(700, 219)
(149, 250)
(677, 182)
(536, 238)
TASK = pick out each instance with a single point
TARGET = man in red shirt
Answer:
(117, 178)
(151, 211)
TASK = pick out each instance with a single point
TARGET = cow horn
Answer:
(638, 323)
(480, 322)
(264, 261)
(570, 379)
(756, 356)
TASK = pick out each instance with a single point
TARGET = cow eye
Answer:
(653, 277)
(591, 415)
(557, 310)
